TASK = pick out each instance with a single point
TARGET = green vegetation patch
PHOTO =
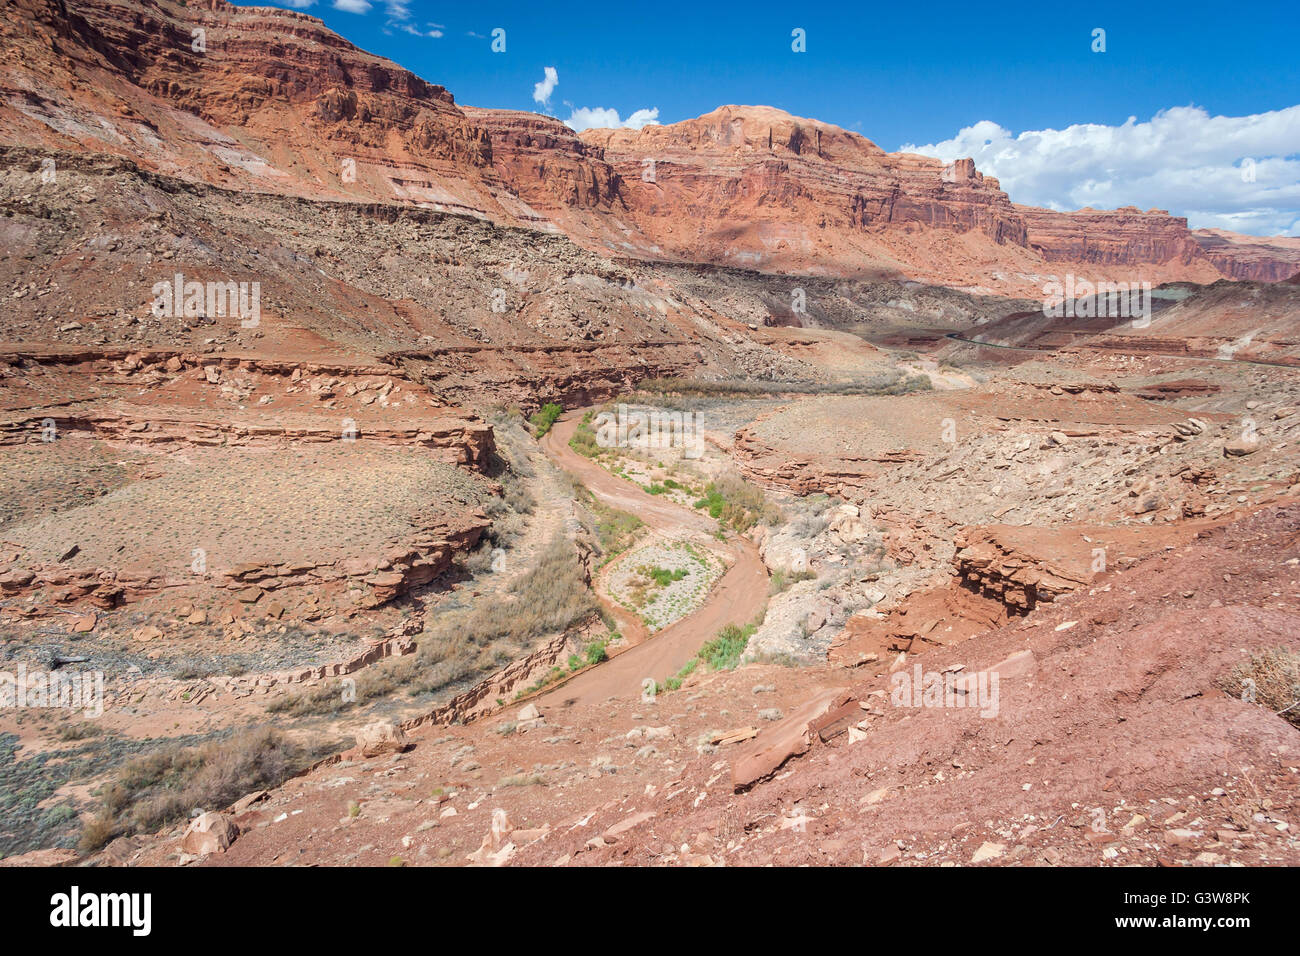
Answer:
(544, 418)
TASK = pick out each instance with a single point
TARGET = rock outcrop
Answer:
(381, 737)
(1021, 566)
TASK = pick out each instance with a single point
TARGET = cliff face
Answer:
(1158, 244)
(546, 163)
(1124, 236)
(243, 97)
(1153, 243)
(754, 186)
(1274, 259)
(269, 100)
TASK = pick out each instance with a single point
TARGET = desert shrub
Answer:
(780, 659)
(550, 677)
(783, 580)
(721, 653)
(78, 731)
(888, 382)
(596, 649)
(162, 787)
(809, 525)
(737, 504)
(98, 831)
(663, 576)
(479, 560)
(550, 598)
(522, 780)
(614, 530)
(1274, 676)
(911, 383)
(584, 438)
(584, 443)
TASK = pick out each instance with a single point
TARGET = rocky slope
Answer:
(1105, 743)
(755, 186)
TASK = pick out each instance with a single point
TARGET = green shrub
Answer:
(544, 418)
(722, 653)
(725, 650)
(584, 438)
(663, 577)
(615, 530)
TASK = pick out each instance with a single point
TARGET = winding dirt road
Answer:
(735, 599)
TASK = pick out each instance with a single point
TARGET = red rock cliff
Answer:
(273, 101)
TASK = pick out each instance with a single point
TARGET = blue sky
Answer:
(914, 74)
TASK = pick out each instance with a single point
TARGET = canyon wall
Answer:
(270, 100)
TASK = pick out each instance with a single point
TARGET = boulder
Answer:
(209, 833)
(988, 851)
(847, 524)
(381, 737)
(17, 579)
(529, 712)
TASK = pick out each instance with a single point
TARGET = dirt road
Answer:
(736, 598)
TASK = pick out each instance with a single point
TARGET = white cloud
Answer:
(643, 118)
(352, 6)
(298, 4)
(1183, 160)
(542, 91)
(398, 15)
(599, 117)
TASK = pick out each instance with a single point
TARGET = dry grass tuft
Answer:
(1273, 678)
(163, 787)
